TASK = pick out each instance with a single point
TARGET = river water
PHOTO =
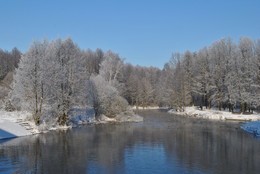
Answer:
(163, 143)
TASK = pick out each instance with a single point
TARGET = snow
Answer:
(216, 115)
(18, 121)
(252, 128)
(10, 129)
(144, 108)
(14, 116)
(14, 124)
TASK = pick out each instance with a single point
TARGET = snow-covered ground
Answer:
(14, 116)
(217, 115)
(15, 124)
(144, 108)
(10, 129)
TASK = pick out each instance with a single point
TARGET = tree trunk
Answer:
(219, 105)
(243, 109)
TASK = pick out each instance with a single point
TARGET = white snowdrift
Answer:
(15, 124)
(10, 129)
(216, 115)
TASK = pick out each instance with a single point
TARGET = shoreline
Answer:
(215, 114)
(17, 124)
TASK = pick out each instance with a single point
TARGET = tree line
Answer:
(223, 75)
(55, 76)
(9, 61)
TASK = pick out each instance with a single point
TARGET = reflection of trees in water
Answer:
(214, 147)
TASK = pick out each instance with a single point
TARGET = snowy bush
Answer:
(104, 98)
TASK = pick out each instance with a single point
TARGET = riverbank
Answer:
(15, 124)
(145, 108)
(20, 123)
(216, 115)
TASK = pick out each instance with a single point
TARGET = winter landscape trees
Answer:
(54, 77)
(223, 75)
(9, 61)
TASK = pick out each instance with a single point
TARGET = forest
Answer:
(53, 77)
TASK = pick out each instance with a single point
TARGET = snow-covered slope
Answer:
(16, 124)
(10, 129)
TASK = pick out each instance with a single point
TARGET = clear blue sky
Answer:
(145, 32)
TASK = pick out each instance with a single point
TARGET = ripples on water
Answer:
(163, 143)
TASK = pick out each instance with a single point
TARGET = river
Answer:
(163, 143)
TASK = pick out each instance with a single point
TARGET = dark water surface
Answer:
(163, 143)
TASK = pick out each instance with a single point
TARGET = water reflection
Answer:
(162, 144)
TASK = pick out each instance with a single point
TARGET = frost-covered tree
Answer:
(133, 88)
(50, 77)
(103, 89)
(66, 77)
(176, 82)
(29, 81)
(8, 61)
(202, 85)
(218, 73)
(111, 67)
(247, 73)
(92, 60)
(105, 98)
(224, 75)
(145, 93)
(256, 64)
(188, 77)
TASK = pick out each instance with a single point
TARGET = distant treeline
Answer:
(8, 61)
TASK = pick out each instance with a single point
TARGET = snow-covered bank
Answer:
(10, 129)
(14, 124)
(144, 108)
(85, 116)
(217, 115)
